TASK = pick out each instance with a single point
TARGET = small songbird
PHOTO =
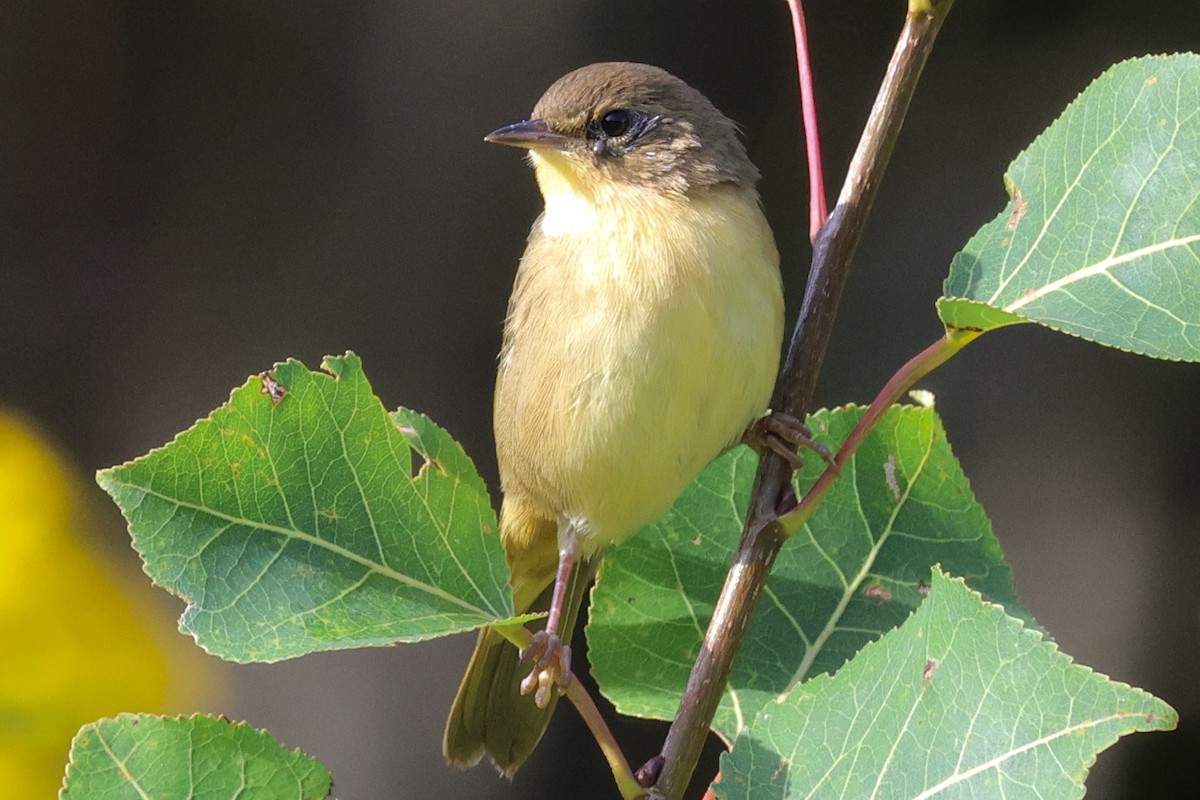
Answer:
(642, 340)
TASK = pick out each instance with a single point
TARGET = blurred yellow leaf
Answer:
(78, 639)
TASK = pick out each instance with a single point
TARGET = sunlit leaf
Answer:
(1101, 237)
(960, 701)
(143, 756)
(291, 521)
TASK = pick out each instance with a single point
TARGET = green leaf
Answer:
(143, 756)
(960, 701)
(290, 521)
(856, 570)
(1101, 238)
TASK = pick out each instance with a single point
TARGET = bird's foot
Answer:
(785, 435)
(551, 668)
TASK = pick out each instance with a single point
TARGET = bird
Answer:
(642, 340)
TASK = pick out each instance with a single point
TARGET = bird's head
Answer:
(621, 125)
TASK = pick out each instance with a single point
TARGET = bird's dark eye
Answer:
(616, 123)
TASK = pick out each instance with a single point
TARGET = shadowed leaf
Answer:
(856, 570)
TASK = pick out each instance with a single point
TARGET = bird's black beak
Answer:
(533, 133)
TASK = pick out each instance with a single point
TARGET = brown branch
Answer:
(762, 536)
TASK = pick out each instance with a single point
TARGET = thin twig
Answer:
(818, 208)
(763, 536)
(627, 784)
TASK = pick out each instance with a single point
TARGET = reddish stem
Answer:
(818, 208)
(916, 368)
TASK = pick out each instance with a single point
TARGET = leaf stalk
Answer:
(905, 378)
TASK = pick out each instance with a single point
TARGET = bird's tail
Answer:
(490, 715)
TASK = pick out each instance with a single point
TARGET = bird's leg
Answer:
(552, 658)
(785, 435)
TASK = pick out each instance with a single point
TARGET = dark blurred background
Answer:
(191, 191)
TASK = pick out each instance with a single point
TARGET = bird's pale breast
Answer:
(643, 337)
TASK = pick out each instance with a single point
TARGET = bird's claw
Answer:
(784, 435)
(551, 668)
